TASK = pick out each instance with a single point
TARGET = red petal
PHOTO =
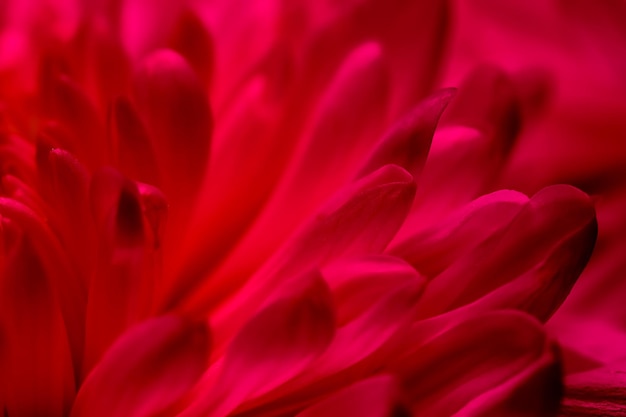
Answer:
(68, 105)
(335, 142)
(37, 371)
(360, 220)
(122, 289)
(176, 111)
(148, 369)
(192, 40)
(64, 282)
(134, 151)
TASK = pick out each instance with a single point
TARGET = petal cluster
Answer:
(272, 208)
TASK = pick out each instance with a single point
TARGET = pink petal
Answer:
(432, 249)
(470, 147)
(373, 397)
(361, 346)
(358, 283)
(530, 264)
(408, 142)
(275, 345)
(147, 370)
(488, 102)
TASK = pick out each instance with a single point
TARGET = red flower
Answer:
(234, 208)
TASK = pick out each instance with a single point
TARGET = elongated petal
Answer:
(374, 397)
(62, 280)
(531, 263)
(68, 105)
(274, 346)
(124, 277)
(408, 142)
(192, 40)
(37, 371)
(435, 247)
(176, 111)
(334, 142)
(146, 370)
(133, 147)
(497, 351)
(359, 283)
(360, 220)
(361, 346)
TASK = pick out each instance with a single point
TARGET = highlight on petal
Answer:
(147, 370)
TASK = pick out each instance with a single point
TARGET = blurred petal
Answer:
(37, 371)
(176, 111)
(530, 263)
(148, 369)
(468, 367)
(274, 346)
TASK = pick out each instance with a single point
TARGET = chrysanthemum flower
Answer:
(272, 208)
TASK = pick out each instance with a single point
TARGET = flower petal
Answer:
(62, 280)
(433, 248)
(37, 371)
(408, 142)
(176, 111)
(275, 345)
(531, 263)
(478, 358)
(133, 147)
(360, 220)
(124, 277)
(335, 142)
(148, 369)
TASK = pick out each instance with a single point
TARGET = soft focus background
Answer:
(579, 49)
